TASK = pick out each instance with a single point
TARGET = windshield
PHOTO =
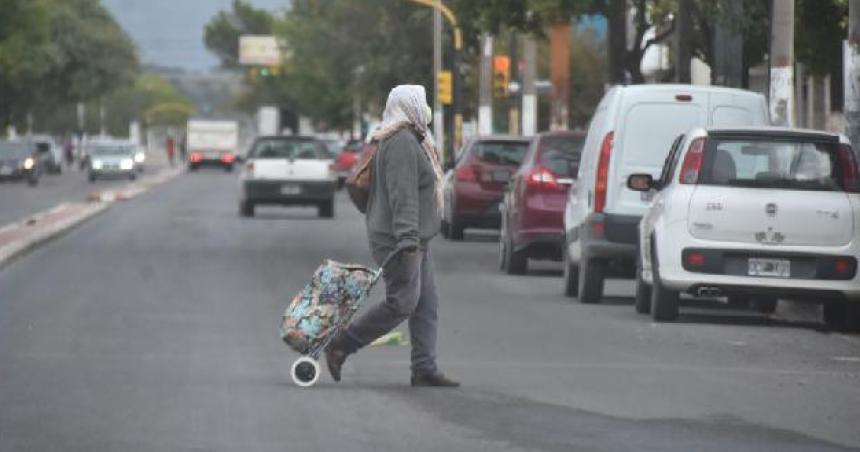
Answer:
(289, 149)
(765, 163)
(561, 155)
(14, 150)
(501, 152)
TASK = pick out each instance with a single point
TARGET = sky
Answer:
(170, 32)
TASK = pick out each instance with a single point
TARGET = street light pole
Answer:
(455, 74)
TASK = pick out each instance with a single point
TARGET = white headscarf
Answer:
(407, 106)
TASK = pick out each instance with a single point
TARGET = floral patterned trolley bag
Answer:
(323, 308)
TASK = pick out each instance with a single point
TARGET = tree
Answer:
(24, 25)
(223, 31)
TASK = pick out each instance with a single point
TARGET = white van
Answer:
(631, 132)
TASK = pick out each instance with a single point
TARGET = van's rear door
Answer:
(648, 123)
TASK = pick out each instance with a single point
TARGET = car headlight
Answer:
(97, 164)
(126, 164)
(29, 163)
(139, 157)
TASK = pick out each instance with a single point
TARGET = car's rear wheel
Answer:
(664, 301)
(643, 293)
(841, 315)
(326, 209)
(91, 177)
(571, 274)
(246, 208)
(228, 168)
(193, 167)
(516, 262)
(592, 274)
(456, 230)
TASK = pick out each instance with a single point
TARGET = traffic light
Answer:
(501, 76)
(444, 86)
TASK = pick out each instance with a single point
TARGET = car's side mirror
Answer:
(641, 182)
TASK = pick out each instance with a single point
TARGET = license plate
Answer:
(290, 189)
(774, 268)
(5, 171)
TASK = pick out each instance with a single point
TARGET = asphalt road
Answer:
(154, 328)
(17, 199)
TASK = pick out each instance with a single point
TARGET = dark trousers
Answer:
(410, 293)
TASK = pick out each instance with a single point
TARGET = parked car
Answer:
(49, 154)
(346, 160)
(631, 132)
(112, 160)
(288, 170)
(475, 188)
(533, 208)
(753, 214)
(18, 161)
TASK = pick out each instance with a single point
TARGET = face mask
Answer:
(429, 114)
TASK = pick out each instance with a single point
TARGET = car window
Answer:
(288, 149)
(768, 163)
(671, 162)
(500, 152)
(561, 155)
(649, 129)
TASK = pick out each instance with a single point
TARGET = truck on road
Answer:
(212, 142)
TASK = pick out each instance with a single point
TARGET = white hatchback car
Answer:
(290, 171)
(754, 214)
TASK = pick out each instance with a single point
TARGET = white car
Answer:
(753, 214)
(630, 132)
(288, 171)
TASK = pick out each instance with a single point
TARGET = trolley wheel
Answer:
(305, 371)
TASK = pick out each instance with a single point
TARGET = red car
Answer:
(533, 209)
(475, 187)
(346, 160)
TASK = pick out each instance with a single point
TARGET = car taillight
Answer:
(695, 259)
(466, 173)
(850, 170)
(540, 177)
(601, 184)
(843, 266)
(693, 162)
(228, 158)
(196, 157)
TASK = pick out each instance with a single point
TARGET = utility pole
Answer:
(782, 63)
(514, 94)
(683, 41)
(852, 76)
(529, 91)
(485, 90)
(559, 42)
(438, 114)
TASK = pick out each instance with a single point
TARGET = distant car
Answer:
(18, 161)
(476, 186)
(112, 160)
(49, 153)
(533, 208)
(288, 170)
(631, 131)
(754, 214)
(347, 158)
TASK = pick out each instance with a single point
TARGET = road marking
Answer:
(847, 359)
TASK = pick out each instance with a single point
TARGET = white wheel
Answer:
(305, 371)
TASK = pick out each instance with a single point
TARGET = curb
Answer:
(43, 234)
(40, 228)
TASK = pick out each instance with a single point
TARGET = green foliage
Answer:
(57, 52)
(820, 27)
(223, 31)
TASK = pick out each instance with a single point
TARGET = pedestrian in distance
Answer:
(403, 216)
(171, 149)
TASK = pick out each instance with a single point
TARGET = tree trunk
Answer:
(616, 17)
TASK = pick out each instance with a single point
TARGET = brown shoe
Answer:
(335, 358)
(438, 380)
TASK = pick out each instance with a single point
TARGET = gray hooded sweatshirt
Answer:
(401, 210)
